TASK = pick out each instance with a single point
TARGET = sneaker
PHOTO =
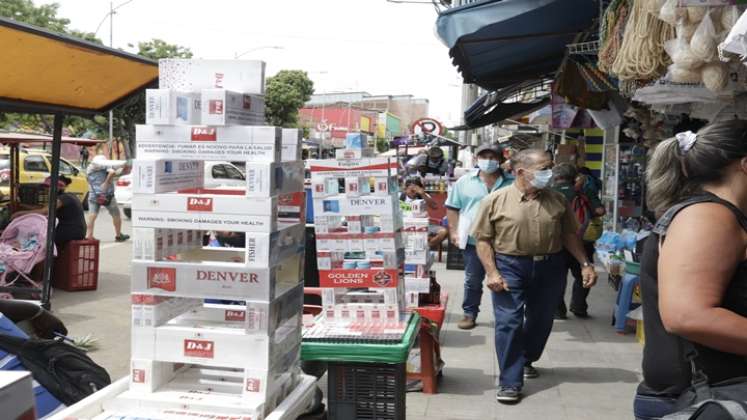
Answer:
(508, 395)
(530, 372)
(122, 237)
(467, 323)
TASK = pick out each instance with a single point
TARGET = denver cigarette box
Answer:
(268, 179)
(352, 168)
(230, 281)
(166, 175)
(221, 210)
(292, 146)
(17, 395)
(171, 107)
(225, 107)
(368, 205)
(192, 75)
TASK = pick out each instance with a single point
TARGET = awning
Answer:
(511, 102)
(45, 72)
(495, 43)
(8, 139)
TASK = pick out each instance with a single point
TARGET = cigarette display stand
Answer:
(239, 355)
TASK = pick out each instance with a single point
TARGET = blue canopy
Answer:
(495, 43)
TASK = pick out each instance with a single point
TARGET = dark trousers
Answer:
(579, 292)
(524, 314)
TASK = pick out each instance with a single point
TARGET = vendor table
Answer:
(430, 347)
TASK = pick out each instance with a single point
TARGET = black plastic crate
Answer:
(366, 391)
(33, 194)
(454, 258)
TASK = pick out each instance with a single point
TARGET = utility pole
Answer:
(111, 45)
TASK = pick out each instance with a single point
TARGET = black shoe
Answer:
(561, 315)
(530, 372)
(580, 314)
(508, 395)
(122, 237)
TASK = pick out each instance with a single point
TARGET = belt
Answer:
(535, 258)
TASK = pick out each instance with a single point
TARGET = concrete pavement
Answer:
(587, 371)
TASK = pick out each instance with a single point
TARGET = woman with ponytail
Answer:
(694, 266)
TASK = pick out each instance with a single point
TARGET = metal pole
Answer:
(111, 45)
(52, 208)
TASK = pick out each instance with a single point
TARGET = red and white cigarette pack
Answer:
(342, 205)
(219, 281)
(415, 236)
(367, 152)
(153, 244)
(332, 296)
(292, 146)
(164, 175)
(17, 395)
(171, 107)
(147, 375)
(152, 310)
(220, 210)
(245, 143)
(359, 242)
(225, 107)
(269, 179)
(193, 75)
(355, 167)
(354, 224)
(360, 278)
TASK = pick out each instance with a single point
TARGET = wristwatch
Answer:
(586, 264)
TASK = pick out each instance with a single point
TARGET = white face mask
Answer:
(541, 179)
(487, 165)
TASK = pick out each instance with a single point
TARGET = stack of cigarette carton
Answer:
(360, 252)
(418, 257)
(214, 330)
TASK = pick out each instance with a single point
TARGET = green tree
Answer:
(286, 93)
(44, 16)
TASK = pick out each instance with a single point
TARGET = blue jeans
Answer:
(651, 407)
(474, 275)
(524, 314)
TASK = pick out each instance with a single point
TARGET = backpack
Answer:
(65, 371)
(581, 207)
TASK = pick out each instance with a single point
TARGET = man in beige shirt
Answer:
(521, 231)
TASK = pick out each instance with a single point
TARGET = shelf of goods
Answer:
(215, 331)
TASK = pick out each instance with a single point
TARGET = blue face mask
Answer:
(542, 179)
(487, 165)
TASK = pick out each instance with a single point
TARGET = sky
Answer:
(345, 45)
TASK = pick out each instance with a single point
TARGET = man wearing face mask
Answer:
(461, 207)
(435, 163)
(521, 232)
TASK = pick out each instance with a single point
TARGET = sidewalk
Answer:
(587, 371)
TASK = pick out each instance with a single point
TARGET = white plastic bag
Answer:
(736, 41)
(654, 6)
(703, 44)
(729, 17)
(715, 76)
(695, 14)
(670, 13)
(679, 50)
(679, 74)
(686, 30)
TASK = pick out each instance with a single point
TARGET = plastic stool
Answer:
(624, 302)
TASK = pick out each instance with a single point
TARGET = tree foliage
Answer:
(286, 93)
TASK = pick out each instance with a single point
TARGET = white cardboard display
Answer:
(17, 395)
(193, 75)
(170, 107)
(268, 179)
(342, 205)
(354, 167)
(292, 146)
(209, 151)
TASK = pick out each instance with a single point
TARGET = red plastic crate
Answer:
(77, 266)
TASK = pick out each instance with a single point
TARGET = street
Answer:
(587, 372)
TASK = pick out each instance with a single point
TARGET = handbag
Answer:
(725, 400)
(104, 199)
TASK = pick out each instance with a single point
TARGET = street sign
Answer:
(426, 126)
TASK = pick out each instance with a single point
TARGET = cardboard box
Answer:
(152, 244)
(363, 167)
(193, 75)
(209, 151)
(354, 296)
(152, 310)
(218, 281)
(147, 375)
(268, 179)
(292, 144)
(366, 312)
(220, 210)
(342, 205)
(374, 278)
(225, 107)
(17, 395)
(355, 153)
(165, 175)
(418, 284)
(171, 107)
(356, 141)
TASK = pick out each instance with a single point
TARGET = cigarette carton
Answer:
(165, 175)
(192, 75)
(417, 284)
(225, 107)
(292, 146)
(268, 179)
(362, 167)
(209, 151)
(359, 278)
(366, 152)
(170, 107)
(147, 375)
(218, 281)
(342, 205)
(357, 141)
(220, 210)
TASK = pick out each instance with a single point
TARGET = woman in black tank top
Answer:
(694, 269)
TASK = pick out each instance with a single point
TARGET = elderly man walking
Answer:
(521, 232)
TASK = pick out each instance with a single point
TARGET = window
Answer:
(35, 163)
(233, 173)
(66, 168)
(219, 172)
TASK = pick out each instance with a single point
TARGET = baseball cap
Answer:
(498, 150)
